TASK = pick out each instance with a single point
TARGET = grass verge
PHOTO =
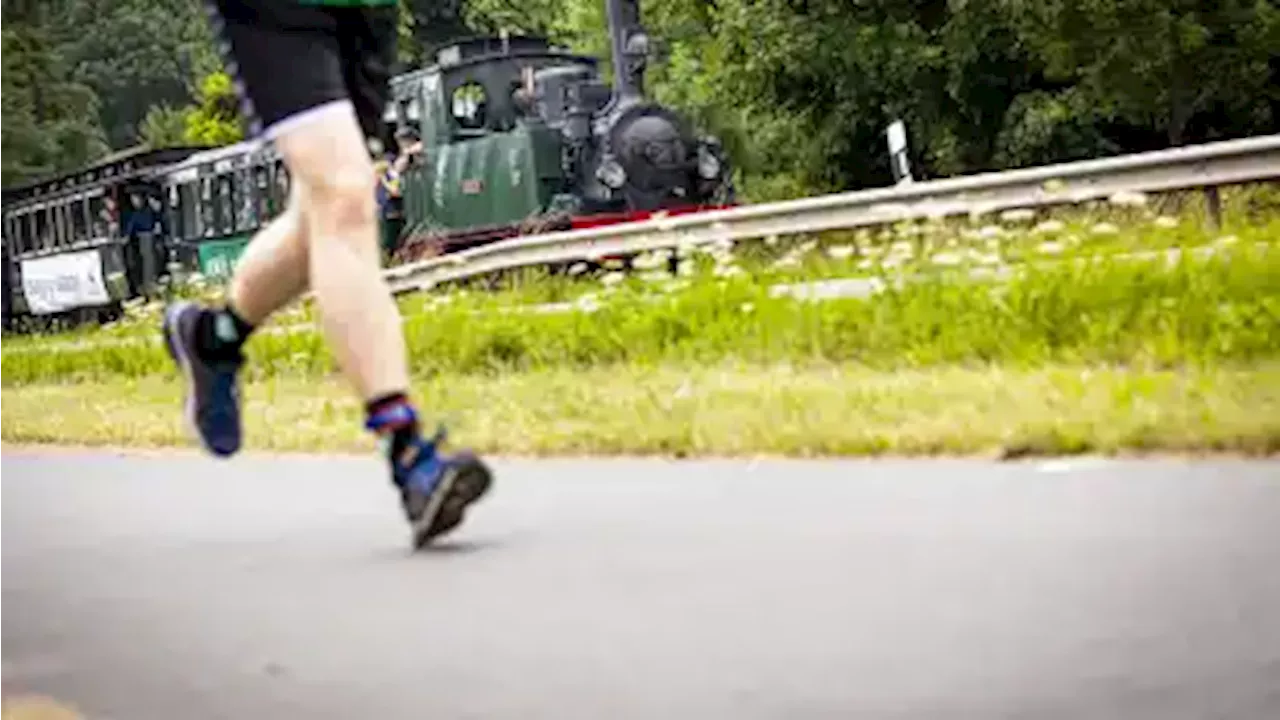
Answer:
(1093, 352)
(1220, 308)
(730, 409)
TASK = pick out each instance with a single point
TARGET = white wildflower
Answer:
(748, 308)
(1017, 215)
(612, 278)
(1049, 226)
(786, 261)
(981, 258)
(1165, 221)
(650, 260)
(990, 231)
(1226, 240)
(723, 245)
(840, 252)
(1104, 228)
(946, 258)
(587, 303)
(577, 268)
(1128, 197)
(902, 249)
(1050, 248)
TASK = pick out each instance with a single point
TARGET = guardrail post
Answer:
(1213, 206)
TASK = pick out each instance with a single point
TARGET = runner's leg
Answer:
(320, 131)
(272, 272)
(326, 155)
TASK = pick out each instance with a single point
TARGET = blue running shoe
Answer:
(212, 403)
(435, 489)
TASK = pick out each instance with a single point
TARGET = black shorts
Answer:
(287, 58)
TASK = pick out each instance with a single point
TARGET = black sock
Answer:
(222, 333)
(393, 416)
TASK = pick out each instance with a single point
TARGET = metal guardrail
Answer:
(1209, 165)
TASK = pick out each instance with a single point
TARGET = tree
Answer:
(164, 126)
(140, 54)
(1187, 70)
(50, 120)
(427, 25)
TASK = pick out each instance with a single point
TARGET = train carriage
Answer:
(77, 245)
(217, 200)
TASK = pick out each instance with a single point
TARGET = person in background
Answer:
(390, 205)
(410, 147)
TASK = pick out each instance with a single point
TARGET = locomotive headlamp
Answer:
(708, 163)
(611, 174)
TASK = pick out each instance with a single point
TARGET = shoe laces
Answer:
(425, 462)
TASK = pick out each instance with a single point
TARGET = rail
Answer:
(1209, 165)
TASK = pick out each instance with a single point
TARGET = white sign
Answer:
(898, 162)
(61, 282)
(897, 137)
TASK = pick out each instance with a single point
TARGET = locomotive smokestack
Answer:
(630, 46)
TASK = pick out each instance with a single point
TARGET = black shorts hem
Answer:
(286, 59)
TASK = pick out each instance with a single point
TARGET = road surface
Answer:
(171, 586)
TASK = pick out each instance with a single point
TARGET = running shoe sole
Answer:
(466, 480)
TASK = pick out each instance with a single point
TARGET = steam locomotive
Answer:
(516, 136)
(532, 140)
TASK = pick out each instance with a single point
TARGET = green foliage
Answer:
(215, 119)
(802, 92)
(49, 119)
(425, 25)
(1188, 69)
(212, 120)
(164, 126)
(139, 54)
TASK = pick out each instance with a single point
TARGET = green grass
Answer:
(1083, 348)
(722, 410)
(1098, 228)
(1224, 307)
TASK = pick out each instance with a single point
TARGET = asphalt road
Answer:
(184, 588)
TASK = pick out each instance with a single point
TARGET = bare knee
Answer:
(343, 200)
(328, 159)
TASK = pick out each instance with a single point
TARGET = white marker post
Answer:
(898, 162)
